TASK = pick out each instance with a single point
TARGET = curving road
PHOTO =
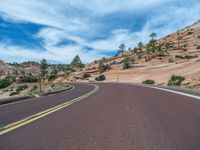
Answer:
(116, 117)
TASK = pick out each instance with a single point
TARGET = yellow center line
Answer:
(42, 114)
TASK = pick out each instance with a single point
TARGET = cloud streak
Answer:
(91, 29)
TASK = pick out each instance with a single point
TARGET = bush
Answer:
(28, 78)
(4, 83)
(100, 78)
(51, 77)
(11, 79)
(127, 62)
(21, 88)
(185, 45)
(35, 87)
(86, 75)
(103, 67)
(103, 59)
(149, 82)
(186, 57)
(53, 85)
(190, 57)
(14, 93)
(175, 80)
(34, 90)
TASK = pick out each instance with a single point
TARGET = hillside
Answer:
(177, 54)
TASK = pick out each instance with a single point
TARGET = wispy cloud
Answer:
(91, 29)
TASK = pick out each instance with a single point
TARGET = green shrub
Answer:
(86, 75)
(14, 93)
(190, 57)
(28, 78)
(186, 57)
(21, 88)
(11, 79)
(4, 83)
(34, 90)
(53, 85)
(103, 67)
(66, 85)
(51, 77)
(100, 78)
(103, 59)
(149, 82)
(175, 80)
(127, 62)
(185, 45)
(35, 87)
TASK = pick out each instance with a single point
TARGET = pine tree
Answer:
(140, 45)
(76, 62)
(43, 67)
(122, 49)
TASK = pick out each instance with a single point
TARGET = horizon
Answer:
(59, 30)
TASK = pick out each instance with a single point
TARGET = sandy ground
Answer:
(161, 73)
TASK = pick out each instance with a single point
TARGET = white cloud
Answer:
(77, 20)
(165, 22)
(53, 54)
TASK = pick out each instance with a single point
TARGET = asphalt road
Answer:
(116, 117)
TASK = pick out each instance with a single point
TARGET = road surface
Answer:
(116, 117)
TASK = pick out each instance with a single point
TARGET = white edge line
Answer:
(34, 98)
(163, 89)
(172, 91)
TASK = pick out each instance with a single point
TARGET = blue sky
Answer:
(59, 29)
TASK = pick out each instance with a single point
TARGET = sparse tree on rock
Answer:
(153, 36)
(127, 62)
(44, 71)
(76, 62)
(43, 67)
(140, 45)
(122, 49)
(153, 40)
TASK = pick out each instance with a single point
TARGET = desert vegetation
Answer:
(151, 82)
(20, 82)
(155, 59)
(175, 80)
(100, 78)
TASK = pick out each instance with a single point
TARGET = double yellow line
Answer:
(42, 114)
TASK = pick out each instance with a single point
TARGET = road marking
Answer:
(18, 124)
(163, 89)
(172, 91)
